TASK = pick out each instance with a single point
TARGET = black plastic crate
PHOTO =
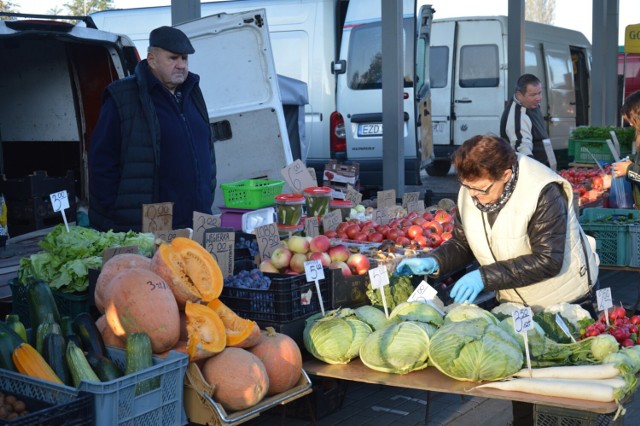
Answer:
(327, 398)
(347, 292)
(31, 214)
(69, 304)
(282, 302)
(431, 198)
(37, 184)
(246, 246)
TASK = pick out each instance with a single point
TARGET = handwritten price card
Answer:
(352, 195)
(313, 270)
(221, 245)
(312, 173)
(379, 278)
(168, 236)
(408, 197)
(59, 201)
(157, 217)
(298, 177)
(202, 222)
(381, 216)
(386, 199)
(268, 240)
(331, 220)
(603, 297)
(109, 252)
(415, 206)
(522, 320)
(311, 227)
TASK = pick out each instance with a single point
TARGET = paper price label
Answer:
(352, 195)
(415, 206)
(522, 320)
(563, 326)
(59, 201)
(202, 222)
(604, 300)
(424, 293)
(313, 270)
(221, 245)
(157, 217)
(268, 240)
(168, 236)
(331, 220)
(409, 197)
(109, 252)
(311, 227)
(381, 216)
(298, 177)
(379, 276)
(386, 198)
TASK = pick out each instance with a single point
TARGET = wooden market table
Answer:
(431, 379)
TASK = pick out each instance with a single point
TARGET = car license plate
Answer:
(370, 129)
(437, 127)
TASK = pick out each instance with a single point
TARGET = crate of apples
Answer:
(426, 230)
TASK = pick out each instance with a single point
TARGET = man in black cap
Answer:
(152, 142)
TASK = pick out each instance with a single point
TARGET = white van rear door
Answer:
(560, 93)
(234, 59)
(441, 75)
(478, 97)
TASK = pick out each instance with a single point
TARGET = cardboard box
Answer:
(338, 176)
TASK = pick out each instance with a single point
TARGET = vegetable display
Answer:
(399, 348)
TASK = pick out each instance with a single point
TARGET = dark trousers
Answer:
(522, 413)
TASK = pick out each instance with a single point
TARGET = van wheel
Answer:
(438, 168)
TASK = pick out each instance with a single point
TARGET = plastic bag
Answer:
(621, 193)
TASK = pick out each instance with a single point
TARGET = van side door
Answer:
(423, 89)
(441, 76)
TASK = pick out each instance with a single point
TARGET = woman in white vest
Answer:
(516, 218)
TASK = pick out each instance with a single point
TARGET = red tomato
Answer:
(360, 236)
(331, 234)
(635, 319)
(434, 227)
(352, 230)
(375, 237)
(418, 220)
(421, 240)
(403, 241)
(414, 231)
(393, 234)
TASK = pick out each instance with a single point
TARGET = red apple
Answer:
(322, 256)
(297, 262)
(344, 268)
(281, 257)
(358, 263)
(375, 237)
(403, 241)
(339, 253)
(267, 266)
(352, 230)
(320, 243)
(330, 234)
(298, 244)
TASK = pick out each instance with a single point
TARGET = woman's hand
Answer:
(606, 181)
(620, 168)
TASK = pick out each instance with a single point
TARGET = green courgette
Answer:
(138, 357)
(66, 324)
(104, 367)
(7, 346)
(48, 326)
(13, 321)
(90, 337)
(54, 348)
(41, 305)
(79, 367)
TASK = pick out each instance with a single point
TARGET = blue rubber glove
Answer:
(467, 288)
(417, 266)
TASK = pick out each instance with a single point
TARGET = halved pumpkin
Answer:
(241, 332)
(207, 335)
(189, 269)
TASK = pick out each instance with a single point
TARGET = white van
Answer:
(359, 88)
(468, 71)
(307, 38)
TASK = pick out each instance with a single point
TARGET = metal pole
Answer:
(515, 44)
(184, 10)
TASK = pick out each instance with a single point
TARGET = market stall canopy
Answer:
(632, 39)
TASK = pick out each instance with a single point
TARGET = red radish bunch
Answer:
(623, 328)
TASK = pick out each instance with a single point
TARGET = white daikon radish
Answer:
(576, 372)
(585, 390)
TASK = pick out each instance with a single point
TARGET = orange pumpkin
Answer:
(111, 268)
(189, 269)
(139, 300)
(239, 377)
(206, 332)
(282, 359)
(108, 337)
(241, 332)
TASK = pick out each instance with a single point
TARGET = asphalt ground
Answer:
(342, 403)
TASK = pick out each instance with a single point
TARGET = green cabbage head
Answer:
(399, 348)
(335, 340)
(475, 350)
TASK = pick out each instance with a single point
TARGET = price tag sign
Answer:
(312, 173)
(168, 236)
(352, 195)
(202, 222)
(313, 270)
(381, 216)
(221, 245)
(59, 201)
(157, 217)
(604, 301)
(331, 220)
(298, 177)
(564, 327)
(522, 320)
(268, 240)
(409, 197)
(386, 198)
(415, 206)
(424, 293)
(379, 278)
(311, 227)
(109, 252)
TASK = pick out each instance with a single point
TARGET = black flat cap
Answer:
(171, 39)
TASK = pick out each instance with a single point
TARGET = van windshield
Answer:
(364, 61)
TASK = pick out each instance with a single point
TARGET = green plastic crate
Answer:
(69, 304)
(251, 193)
(580, 149)
(612, 240)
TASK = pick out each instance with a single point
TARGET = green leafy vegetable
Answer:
(398, 291)
(399, 348)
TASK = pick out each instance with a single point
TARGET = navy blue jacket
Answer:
(148, 147)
